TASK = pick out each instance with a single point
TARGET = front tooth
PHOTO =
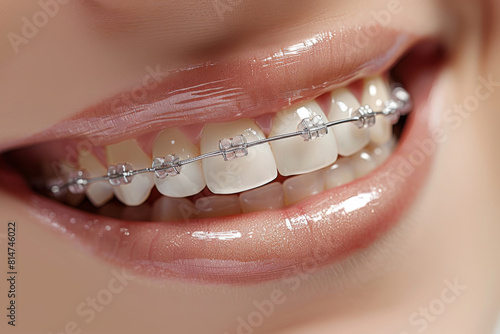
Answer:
(268, 197)
(363, 163)
(98, 193)
(375, 93)
(300, 187)
(173, 209)
(190, 181)
(243, 173)
(217, 206)
(350, 138)
(136, 192)
(294, 155)
(341, 172)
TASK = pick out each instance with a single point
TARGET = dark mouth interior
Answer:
(419, 60)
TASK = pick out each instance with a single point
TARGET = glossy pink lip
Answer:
(242, 86)
(254, 247)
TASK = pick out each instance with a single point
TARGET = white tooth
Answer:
(136, 192)
(173, 209)
(350, 138)
(217, 206)
(190, 181)
(240, 174)
(341, 172)
(268, 197)
(380, 153)
(98, 193)
(363, 163)
(301, 187)
(294, 155)
(375, 93)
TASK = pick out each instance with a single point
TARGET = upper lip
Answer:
(246, 86)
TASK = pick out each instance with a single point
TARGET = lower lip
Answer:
(261, 246)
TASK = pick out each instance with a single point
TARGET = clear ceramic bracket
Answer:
(166, 166)
(312, 128)
(237, 147)
(232, 148)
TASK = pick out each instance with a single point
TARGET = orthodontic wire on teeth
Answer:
(309, 129)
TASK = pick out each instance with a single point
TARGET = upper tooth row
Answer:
(243, 138)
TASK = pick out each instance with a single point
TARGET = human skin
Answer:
(450, 234)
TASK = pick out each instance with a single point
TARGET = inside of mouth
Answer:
(214, 189)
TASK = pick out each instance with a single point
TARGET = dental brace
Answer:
(309, 129)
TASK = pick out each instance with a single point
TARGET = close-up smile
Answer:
(250, 166)
(255, 186)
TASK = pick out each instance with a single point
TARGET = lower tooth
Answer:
(217, 206)
(341, 172)
(268, 197)
(173, 209)
(301, 187)
(136, 192)
(363, 163)
(381, 153)
(98, 193)
(375, 93)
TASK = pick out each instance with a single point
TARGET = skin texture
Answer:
(449, 235)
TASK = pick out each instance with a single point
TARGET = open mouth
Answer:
(187, 173)
(143, 199)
